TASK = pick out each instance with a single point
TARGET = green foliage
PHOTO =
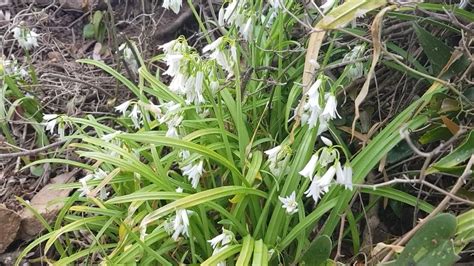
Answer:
(464, 230)
(457, 156)
(432, 244)
(139, 202)
(96, 28)
(318, 252)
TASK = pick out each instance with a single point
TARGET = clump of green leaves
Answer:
(213, 167)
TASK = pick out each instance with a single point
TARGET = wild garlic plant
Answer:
(206, 168)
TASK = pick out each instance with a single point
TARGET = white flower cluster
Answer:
(193, 170)
(26, 38)
(11, 68)
(186, 68)
(178, 225)
(169, 113)
(220, 242)
(226, 58)
(319, 162)
(239, 14)
(314, 112)
(135, 114)
(278, 158)
(85, 190)
(51, 121)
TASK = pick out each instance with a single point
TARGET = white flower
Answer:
(173, 124)
(129, 57)
(330, 110)
(214, 86)
(172, 132)
(103, 194)
(289, 203)
(221, 56)
(134, 116)
(99, 174)
(213, 46)
(326, 141)
(275, 3)
(85, 190)
(327, 156)
(199, 98)
(174, 5)
(312, 108)
(314, 190)
(184, 154)
(168, 47)
(50, 120)
(193, 89)
(178, 84)
(271, 16)
(179, 190)
(326, 179)
(221, 240)
(308, 170)
(247, 29)
(173, 61)
(171, 111)
(273, 154)
(26, 39)
(194, 172)
(222, 60)
(320, 185)
(220, 20)
(344, 176)
(323, 125)
(180, 224)
(233, 53)
(111, 136)
(328, 5)
(354, 70)
(123, 107)
(230, 11)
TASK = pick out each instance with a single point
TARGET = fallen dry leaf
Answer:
(48, 202)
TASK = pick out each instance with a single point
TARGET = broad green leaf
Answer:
(431, 245)
(456, 157)
(435, 134)
(439, 53)
(318, 252)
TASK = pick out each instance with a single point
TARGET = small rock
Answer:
(10, 225)
(48, 202)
